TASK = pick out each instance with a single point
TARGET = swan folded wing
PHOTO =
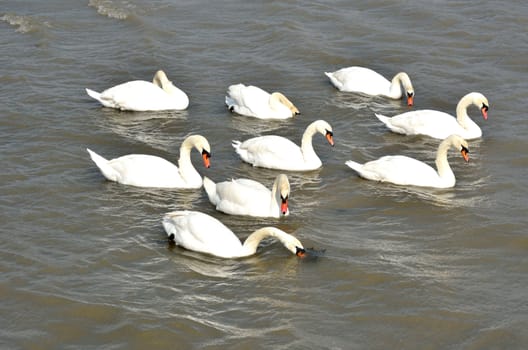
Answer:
(400, 170)
(137, 95)
(243, 197)
(427, 122)
(202, 233)
(271, 149)
(145, 170)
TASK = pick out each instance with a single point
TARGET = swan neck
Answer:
(461, 113)
(306, 142)
(252, 242)
(186, 167)
(442, 165)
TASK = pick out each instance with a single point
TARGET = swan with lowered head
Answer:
(369, 82)
(249, 197)
(202, 233)
(439, 124)
(403, 170)
(252, 101)
(140, 95)
(151, 171)
(276, 152)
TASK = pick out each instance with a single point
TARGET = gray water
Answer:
(85, 263)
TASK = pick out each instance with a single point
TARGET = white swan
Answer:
(276, 152)
(402, 170)
(367, 81)
(252, 101)
(249, 197)
(202, 233)
(140, 95)
(151, 171)
(439, 124)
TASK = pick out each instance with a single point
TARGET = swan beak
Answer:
(410, 99)
(465, 153)
(330, 137)
(284, 205)
(300, 252)
(206, 158)
(484, 111)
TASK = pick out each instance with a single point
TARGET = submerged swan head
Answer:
(278, 97)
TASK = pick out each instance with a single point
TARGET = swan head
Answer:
(478, 100)
(324, 128)
(283, 187)
(293, 245)
(202, 145)
(407, 86)
(461, 145)
(160, 78)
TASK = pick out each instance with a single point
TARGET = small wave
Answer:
(25, 24)
(113, 9)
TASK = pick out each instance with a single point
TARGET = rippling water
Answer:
(85, 262)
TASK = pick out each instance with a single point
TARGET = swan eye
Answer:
(410, 94)
(464, 149)
(206, 153)
(329, 133)
(485, 107)
(284, 199)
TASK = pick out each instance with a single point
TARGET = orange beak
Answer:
(284, 206)
(410, 100)
(300, 252)
(206, 159)
(330, 138)
(465, 154)
(484, 111)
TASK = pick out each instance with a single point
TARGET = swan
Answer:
(403, 170)
(249, 197)
(151, 171)
(194, 230)
(439, 124)
(276, 152)
(252, 101)
(140, 95)
(367, 81)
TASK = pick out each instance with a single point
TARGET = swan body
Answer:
(202, 233)
(140, 95)
(249, 197)
(438, 124)
(369, 82)
(151, 171)
(252, 101)
(276, 152)
(403, 170)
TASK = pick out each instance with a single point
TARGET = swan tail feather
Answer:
(354, 165)
(94, 94)
(334, 80)
(236, 144)
(102, 163)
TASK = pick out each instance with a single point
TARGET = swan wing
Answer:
(202, 233)
(271, 151)
(432, 123)
(146, 171)
(244, 197)
(401, 170)
(360, 79)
